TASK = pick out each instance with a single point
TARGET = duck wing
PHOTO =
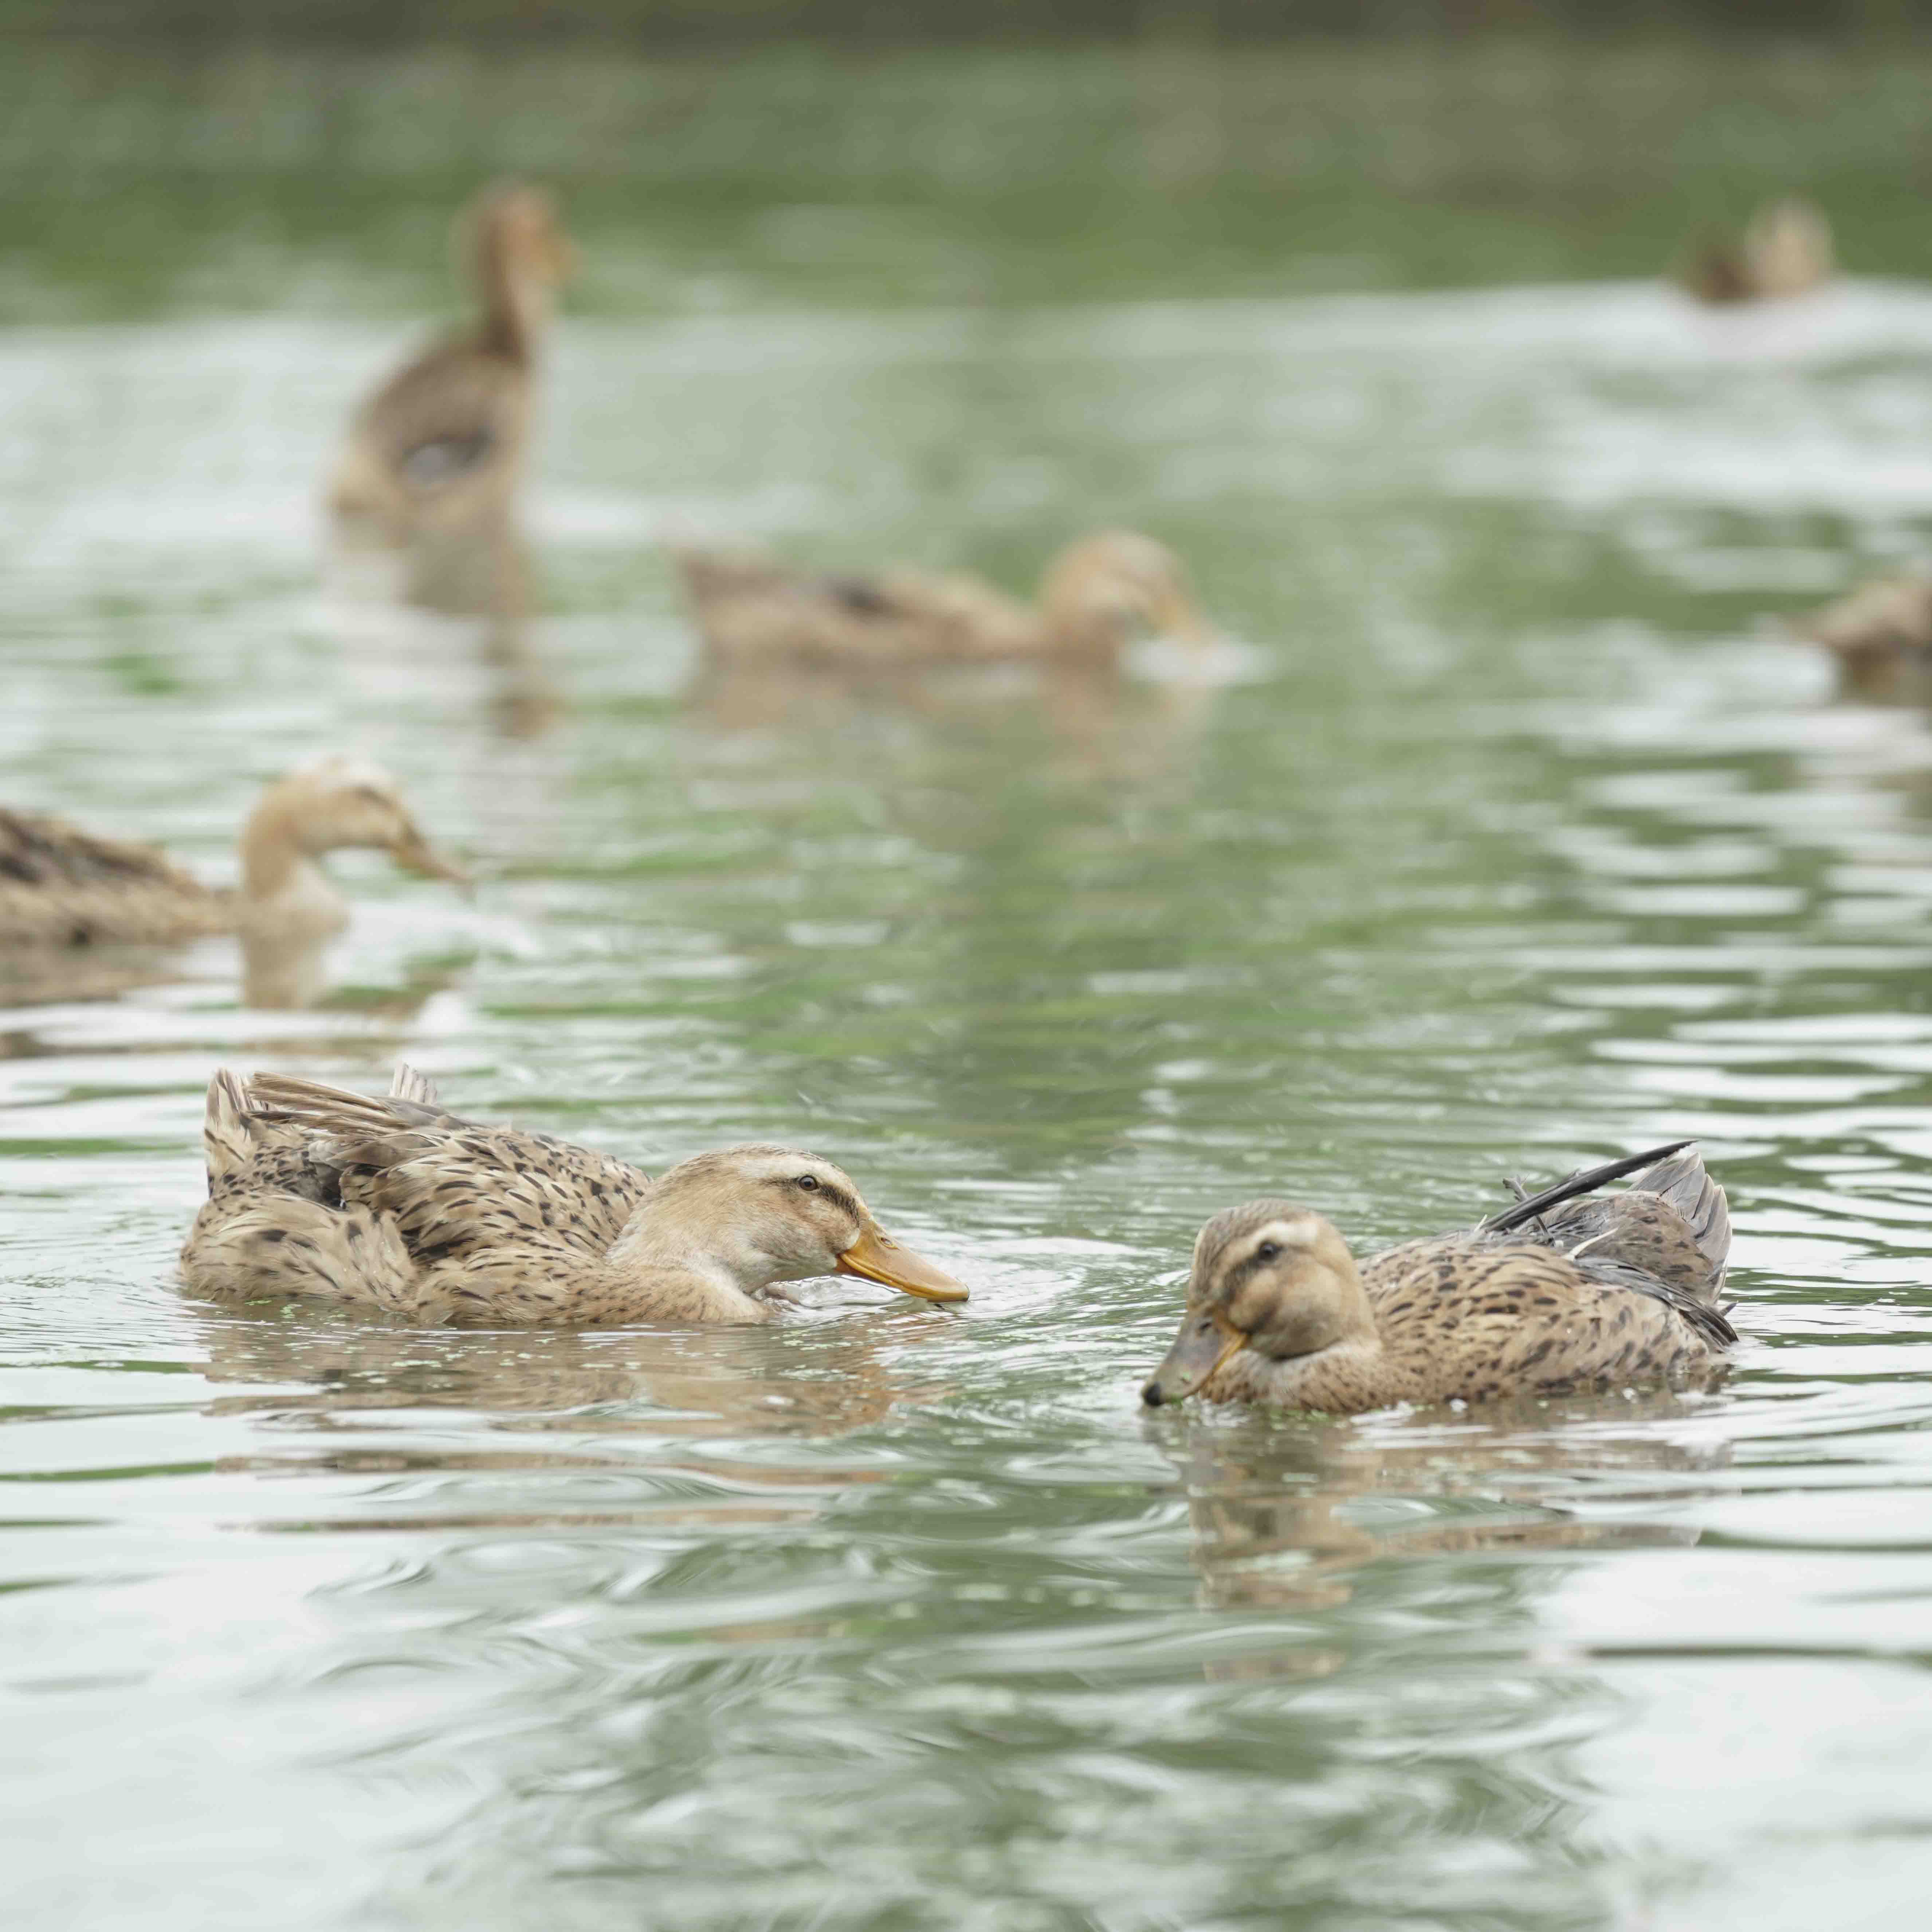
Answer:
(456, 1188)
(1673, 1223)
(62, 885)
(1479, 1316)
(749, 605)
(448, 415)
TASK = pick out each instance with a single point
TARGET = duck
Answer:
(1881, 634)
(1566, 1291)
(60, 886)
(1094, 597)
(391, 1205)
(1785, 250)
(442, 445)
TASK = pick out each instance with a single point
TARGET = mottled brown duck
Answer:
(442, 443)
(1095, 598)
(1785, 250)
(394, 1205)
(60, 886)
(1560, 1294)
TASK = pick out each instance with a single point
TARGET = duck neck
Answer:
(658, 1247)
(1075, 623)
(516, 303)
(1340, 1365)
(278, 865)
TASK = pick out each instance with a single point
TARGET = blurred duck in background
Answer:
(1559, 1294)
(60, 887)
(1785, 250)
(1881, 635)
(1095, 598)
(442, 443)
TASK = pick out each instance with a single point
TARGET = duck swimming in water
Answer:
(1785, 250)
(395, 1206)
(1095, 596)
(1559, 1294)
(60, 886)
(441, 444)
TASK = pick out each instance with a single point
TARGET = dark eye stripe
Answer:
(826, 1191)
(841, 1198)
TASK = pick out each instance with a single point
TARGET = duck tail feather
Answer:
(1681, 1179)
(313, 1103)
(412, 1083)
(226, 1141)
(1585, 1181)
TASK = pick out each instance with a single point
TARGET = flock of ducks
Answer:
(397, 1206)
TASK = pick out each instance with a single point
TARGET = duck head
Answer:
(1271, 1280)
(1101, 591)
(336, 804)
(519, 255)
(762, 1214)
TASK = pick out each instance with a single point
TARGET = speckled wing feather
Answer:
(456, 1187)
(1672, 1224)
(1478, 1318)
(1589, 1288)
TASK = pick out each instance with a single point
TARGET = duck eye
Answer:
(809, 1182)
(1268, 1251)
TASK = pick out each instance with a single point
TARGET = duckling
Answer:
(1785, 250)
(1093, 597)
(1557, 1294)
(60, 886)
(395, 1206)
(1881, 634)
(442, 442)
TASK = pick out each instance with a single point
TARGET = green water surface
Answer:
(1514, 832)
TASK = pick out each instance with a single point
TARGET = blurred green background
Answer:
(158, 164)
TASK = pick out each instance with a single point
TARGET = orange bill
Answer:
(876, 1256)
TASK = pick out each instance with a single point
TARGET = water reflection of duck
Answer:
(1092, 598)
(397, 1205)
(1277, 1520)
(1785, 249)
(443, 441)
(1558, 1294)
(60, 886)
(326, 1385)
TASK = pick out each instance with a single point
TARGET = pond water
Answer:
(1514, 833)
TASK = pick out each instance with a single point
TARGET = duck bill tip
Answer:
(1198, 1355)
(876, 1256)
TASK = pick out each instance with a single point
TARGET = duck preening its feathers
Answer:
(394, 1205)
(1568, 1290)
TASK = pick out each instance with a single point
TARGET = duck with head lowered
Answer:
(394, 1206)
(1567, 1291)
(1096, 596)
